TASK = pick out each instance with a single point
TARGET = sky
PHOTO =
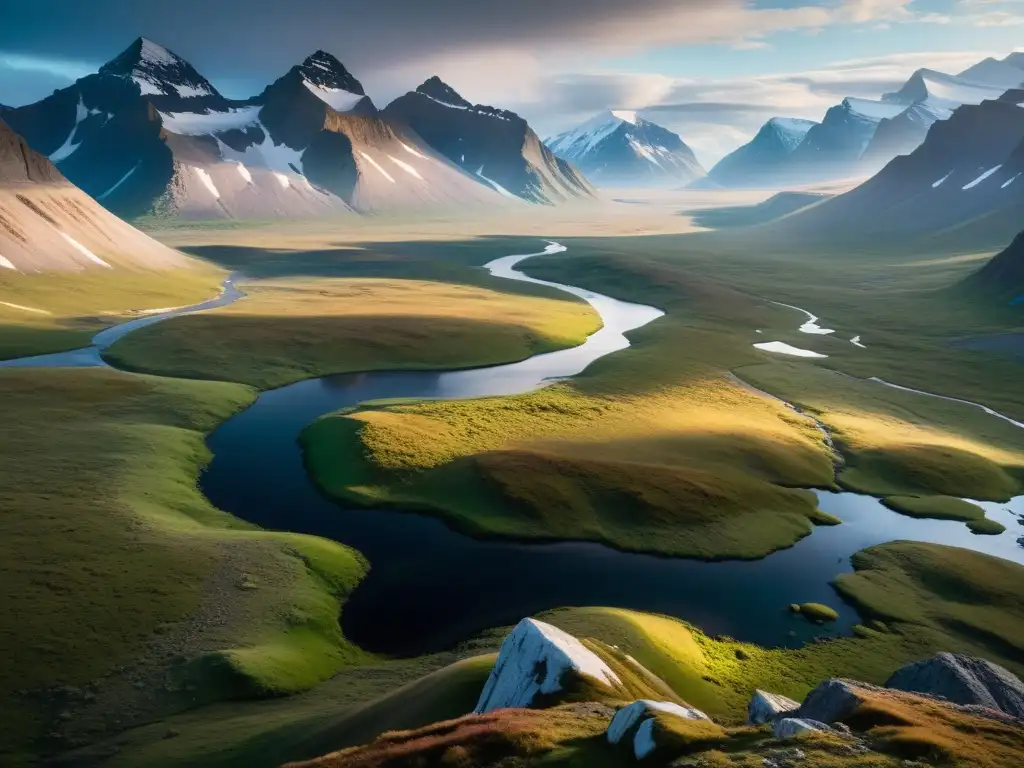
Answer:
(712, 70)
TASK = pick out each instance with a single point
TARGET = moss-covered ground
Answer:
(126, 594)
(661, 448)
(291, 329)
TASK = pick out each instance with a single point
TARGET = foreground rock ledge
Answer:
(533, 660)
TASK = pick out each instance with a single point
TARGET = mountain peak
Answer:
(439, 90)
(324, 70)
(158, 71)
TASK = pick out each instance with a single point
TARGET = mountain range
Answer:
(964, 181)
(859, 136)
(149, 135)
(619, 148)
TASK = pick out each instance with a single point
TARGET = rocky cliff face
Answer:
(496, 146)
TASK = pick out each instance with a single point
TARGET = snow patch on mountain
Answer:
(207, 180)
(244, 172)
(69, 146)
(985, 175)
(83, 250)
(120, 181)
(497, 187)
(336, 98)
(937, 184)
(405, 167)
(266, 154)
(198, 124)
(412, 151)
(790, 130)
(378, 166)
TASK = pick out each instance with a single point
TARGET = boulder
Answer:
(832, 700)
(788, 727)
(767, 707)
(644, 713)
(963, 680)
(533, 660)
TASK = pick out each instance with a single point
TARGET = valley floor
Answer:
(178, 609)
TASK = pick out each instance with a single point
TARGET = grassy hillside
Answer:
(132, 595)
(660, 448)
(55, 311)
(290, 329)
(894, 587)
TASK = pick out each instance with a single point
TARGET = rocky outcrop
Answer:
(638, 720)
(831, 701)
(789, 727)
(496, 147)
(963, 680)
(767, 707)
(535, 660)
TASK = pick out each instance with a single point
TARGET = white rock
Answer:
(788, 727)
(630, 715)
(766, 707)
(533, 659)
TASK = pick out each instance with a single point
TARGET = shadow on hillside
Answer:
(446, 261)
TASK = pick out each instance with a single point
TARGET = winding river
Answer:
(430, 587)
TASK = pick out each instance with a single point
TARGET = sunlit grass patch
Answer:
(290, 329)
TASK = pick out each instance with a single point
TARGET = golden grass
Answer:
(65, 309)
(290, 329)
(902, 444)
(698, 469)
(470, 741)
(914, 727)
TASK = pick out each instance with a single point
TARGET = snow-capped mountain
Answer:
(148, 134)
(761, 160)
(160, 73)
(833, 148)
(966, 178)
(495, 145)
(48, 224)
(859, 136)
(619, 148)
(931, 96)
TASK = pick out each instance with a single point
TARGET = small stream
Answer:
(430, 587)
